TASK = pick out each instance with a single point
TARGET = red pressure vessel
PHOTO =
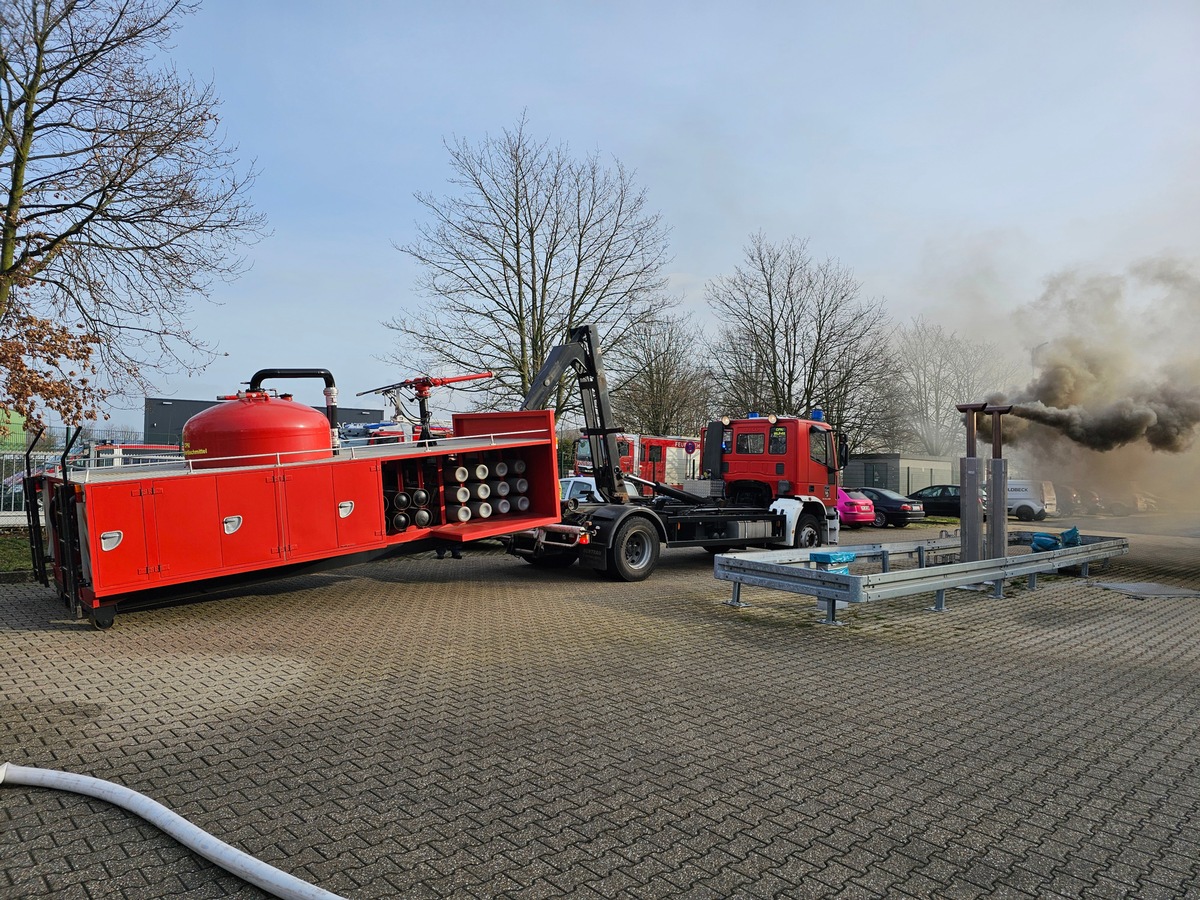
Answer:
(256, 429)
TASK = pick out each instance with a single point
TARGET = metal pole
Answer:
(997, 539)
(970, 482)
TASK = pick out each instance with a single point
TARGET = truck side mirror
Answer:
(843, 451)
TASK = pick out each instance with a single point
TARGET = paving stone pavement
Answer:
(423, 728)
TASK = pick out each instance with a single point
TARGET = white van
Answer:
(1030, 500)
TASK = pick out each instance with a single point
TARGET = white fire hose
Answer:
(273, 881)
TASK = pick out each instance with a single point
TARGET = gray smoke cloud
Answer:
(1119, 365)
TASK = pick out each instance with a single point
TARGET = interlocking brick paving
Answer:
(479, 728)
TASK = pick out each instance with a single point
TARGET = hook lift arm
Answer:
(581, 355)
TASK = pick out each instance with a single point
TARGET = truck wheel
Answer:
(553, 560)
(634, 552)
(103, 617)
(808, 531)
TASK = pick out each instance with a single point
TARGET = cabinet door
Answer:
(357, 493)
(117, 537)
(310, 512)
(188, 526)
(248, 516)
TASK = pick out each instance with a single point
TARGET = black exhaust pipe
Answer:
(330, 388)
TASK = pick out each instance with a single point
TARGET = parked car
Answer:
(940, 500)
(855, 509)
(1070, 500)
(892, 508)
(578, 487)
(1127, 501)
(1031, 500)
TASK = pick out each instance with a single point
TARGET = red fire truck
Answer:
(670, 460)
(265, 489)
(766, 481)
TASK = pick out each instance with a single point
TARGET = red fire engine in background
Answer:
(670, 460)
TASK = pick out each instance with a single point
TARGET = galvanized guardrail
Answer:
(797, 571)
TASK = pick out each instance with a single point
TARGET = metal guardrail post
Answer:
(939, 603)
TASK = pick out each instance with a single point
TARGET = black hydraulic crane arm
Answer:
(581, 355)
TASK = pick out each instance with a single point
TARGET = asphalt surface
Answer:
(478, 728)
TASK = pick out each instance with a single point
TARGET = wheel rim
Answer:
(808, 536)
(637, 551)
(880, 520)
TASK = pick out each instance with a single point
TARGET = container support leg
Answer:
(1033, 581)
(998, 588)
(736, 599)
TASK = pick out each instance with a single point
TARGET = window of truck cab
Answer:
(751, 442)
(818, 446)
(777, 440)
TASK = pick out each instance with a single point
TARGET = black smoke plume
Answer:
(1120, 365)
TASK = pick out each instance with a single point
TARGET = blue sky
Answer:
(953, 155)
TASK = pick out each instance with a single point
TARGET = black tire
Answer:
(880, 519)
(808, 531)
(634, 552)
(1025, 514)
(901, 524)
(1040, 515)
(553, 560)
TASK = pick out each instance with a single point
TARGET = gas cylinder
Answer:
(252, 428)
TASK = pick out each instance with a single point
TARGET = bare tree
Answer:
(795, 336)
(661, 382)
(533, 242)
(122, 201)
(940, 369)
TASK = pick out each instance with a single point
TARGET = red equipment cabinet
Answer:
(155, 531)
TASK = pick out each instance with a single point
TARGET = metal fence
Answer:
(46, 453)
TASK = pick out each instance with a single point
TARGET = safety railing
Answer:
(797, 571)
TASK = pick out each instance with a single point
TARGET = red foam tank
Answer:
(256, 429)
